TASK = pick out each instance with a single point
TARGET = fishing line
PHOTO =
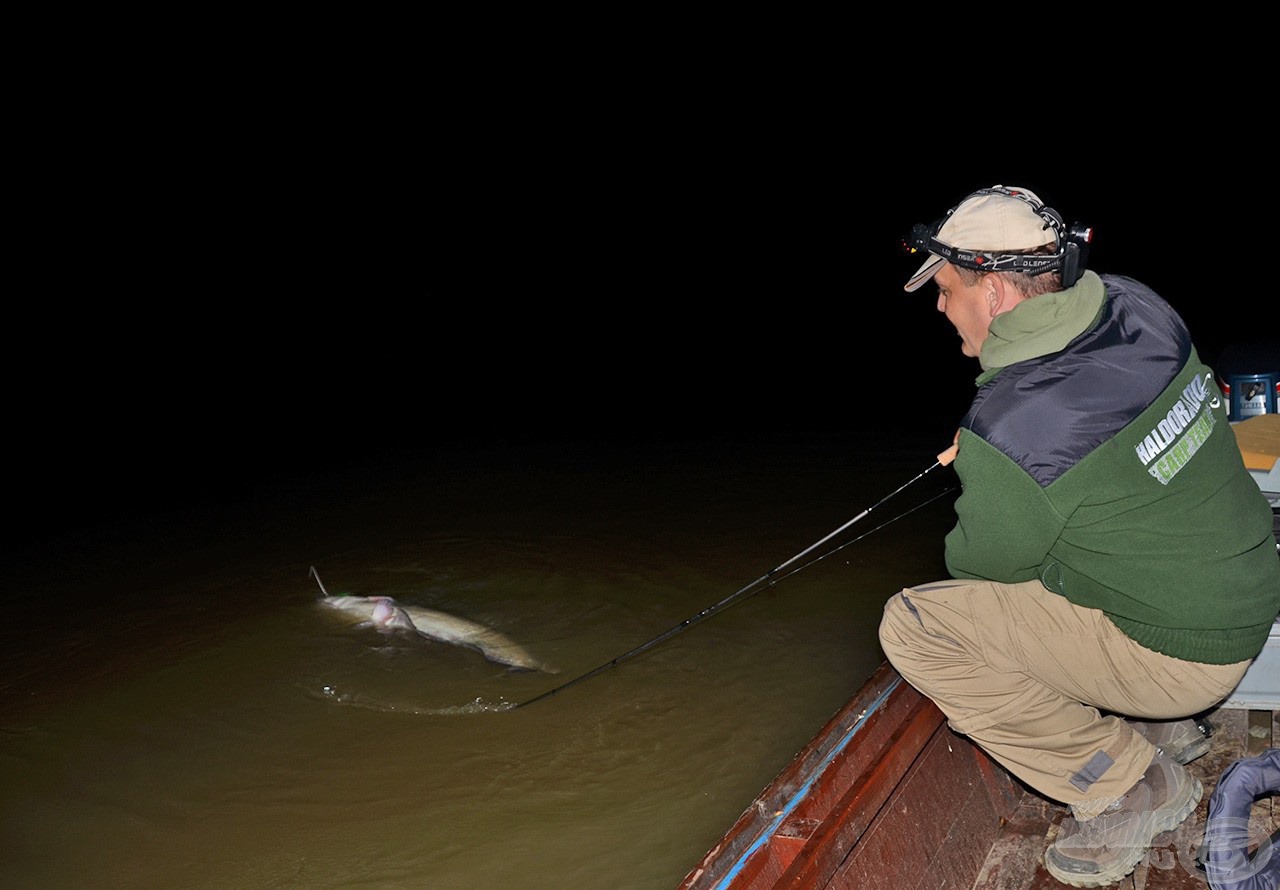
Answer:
(768, 579)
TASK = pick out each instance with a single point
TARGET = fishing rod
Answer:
(767, 579)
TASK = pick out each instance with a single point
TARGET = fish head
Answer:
(359, 606)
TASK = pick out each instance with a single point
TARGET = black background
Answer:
(232, 313)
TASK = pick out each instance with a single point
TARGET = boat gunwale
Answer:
(760, 823)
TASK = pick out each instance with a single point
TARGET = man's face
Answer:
(968, 308)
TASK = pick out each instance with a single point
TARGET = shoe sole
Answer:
(1189, 752)
(1171, 819)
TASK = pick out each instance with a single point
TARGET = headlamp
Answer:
(1073, 243)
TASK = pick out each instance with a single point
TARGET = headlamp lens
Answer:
(918, 240)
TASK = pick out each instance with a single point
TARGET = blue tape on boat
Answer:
(805, 788)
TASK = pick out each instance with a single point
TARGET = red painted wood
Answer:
(843, 828)
(876, 799)
(758, 820)
(938, 827)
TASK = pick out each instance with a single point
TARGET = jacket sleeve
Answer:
(1005, 522)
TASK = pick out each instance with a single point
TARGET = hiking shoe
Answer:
(1102, 850)
(1182, 740)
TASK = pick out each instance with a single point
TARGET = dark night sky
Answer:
(287, 323)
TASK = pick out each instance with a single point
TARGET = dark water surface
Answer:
(178, 711)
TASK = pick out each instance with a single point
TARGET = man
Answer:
(1111, 554)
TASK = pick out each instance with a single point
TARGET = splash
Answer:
(333, 695)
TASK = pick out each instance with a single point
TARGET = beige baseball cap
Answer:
(1002, 219)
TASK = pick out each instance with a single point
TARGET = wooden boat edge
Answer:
(853, 805)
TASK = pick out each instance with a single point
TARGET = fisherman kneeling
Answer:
(1111, 556)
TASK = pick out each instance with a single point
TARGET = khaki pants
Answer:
(1023, 672)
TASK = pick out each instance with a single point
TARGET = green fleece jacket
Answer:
(1097, 458)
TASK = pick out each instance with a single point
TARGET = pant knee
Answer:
(897, 625)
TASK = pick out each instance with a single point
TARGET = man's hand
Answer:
(949, 455)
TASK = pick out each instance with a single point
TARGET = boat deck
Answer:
(1015, 861)
(887, 797)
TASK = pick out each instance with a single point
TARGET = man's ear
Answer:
(995, 291)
